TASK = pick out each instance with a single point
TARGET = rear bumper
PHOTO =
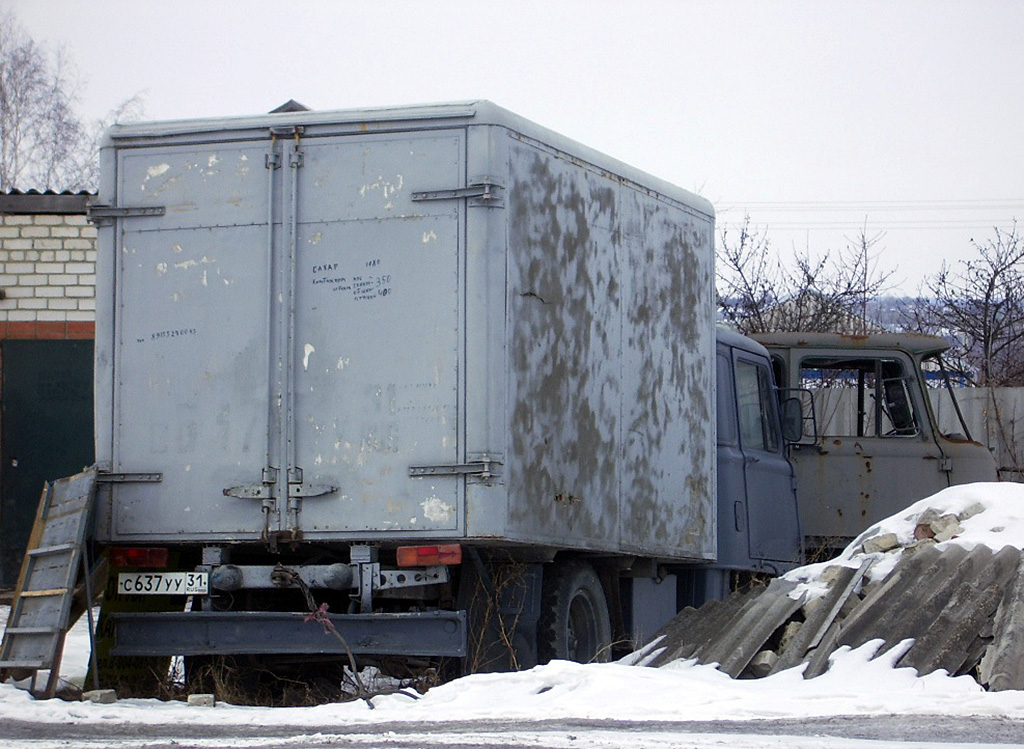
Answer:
(432, 633)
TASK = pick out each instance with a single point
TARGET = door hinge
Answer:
(479, 193)
(310, 490)
(250, 491)
(103, 215)
(266, 491)
(485, 468)
(105, 477)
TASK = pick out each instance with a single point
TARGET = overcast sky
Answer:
(815, 117)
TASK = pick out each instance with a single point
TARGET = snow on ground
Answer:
(860, 682)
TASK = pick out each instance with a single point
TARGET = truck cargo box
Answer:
(438, 322)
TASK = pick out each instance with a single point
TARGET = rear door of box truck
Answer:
(285, 337)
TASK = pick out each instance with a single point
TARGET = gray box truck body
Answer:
(326, 335)
(442, 322)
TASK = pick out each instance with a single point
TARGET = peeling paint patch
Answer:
(161, 268)
(437, 510)
(186, 264)
(316, 238)
(153, 172)
(342, 363)
(429, 236)
(307, 351)
(386, 187)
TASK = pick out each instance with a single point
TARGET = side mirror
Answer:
(792, 420)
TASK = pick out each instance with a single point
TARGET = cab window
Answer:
(756, 401)
(860, 397)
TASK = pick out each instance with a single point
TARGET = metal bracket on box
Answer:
(485, 468)
(478, 193)
(103, 215)
(104, 477)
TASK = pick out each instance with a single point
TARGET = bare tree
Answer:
(979, 306)
(43, 143)
(758, 292)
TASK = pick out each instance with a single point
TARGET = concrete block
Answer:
(761, 664)
(884, 542)
(100, 696)
(946, 528)
(202, 700)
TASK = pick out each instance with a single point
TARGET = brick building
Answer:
(47, 326)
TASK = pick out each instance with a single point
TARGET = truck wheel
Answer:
(574, 623)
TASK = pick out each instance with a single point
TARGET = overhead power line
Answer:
(894, 224)
(861, 206)
(893, 215)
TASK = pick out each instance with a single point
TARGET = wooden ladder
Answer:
(41, 610)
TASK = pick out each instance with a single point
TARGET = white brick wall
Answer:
(47, 268)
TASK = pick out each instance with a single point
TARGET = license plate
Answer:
(164, 583)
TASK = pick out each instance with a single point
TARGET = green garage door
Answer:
(45, 432)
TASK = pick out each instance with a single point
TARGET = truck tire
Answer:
(574, 623)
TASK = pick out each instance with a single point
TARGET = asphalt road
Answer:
(885, 730)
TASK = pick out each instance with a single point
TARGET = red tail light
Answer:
(429, 556)
(138, 557)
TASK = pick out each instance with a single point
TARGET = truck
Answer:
(871, 444)
(442, 380)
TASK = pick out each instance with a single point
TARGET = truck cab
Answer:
(871, 443)
(758, 517)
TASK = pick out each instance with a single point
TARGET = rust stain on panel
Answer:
(609, 296)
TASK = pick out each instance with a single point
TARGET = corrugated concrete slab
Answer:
(963, 609)
(822, 615)
(1002, 666)
(694, 628)
(747, 634)
(947, 642)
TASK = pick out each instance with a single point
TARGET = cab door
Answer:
(771, 505)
